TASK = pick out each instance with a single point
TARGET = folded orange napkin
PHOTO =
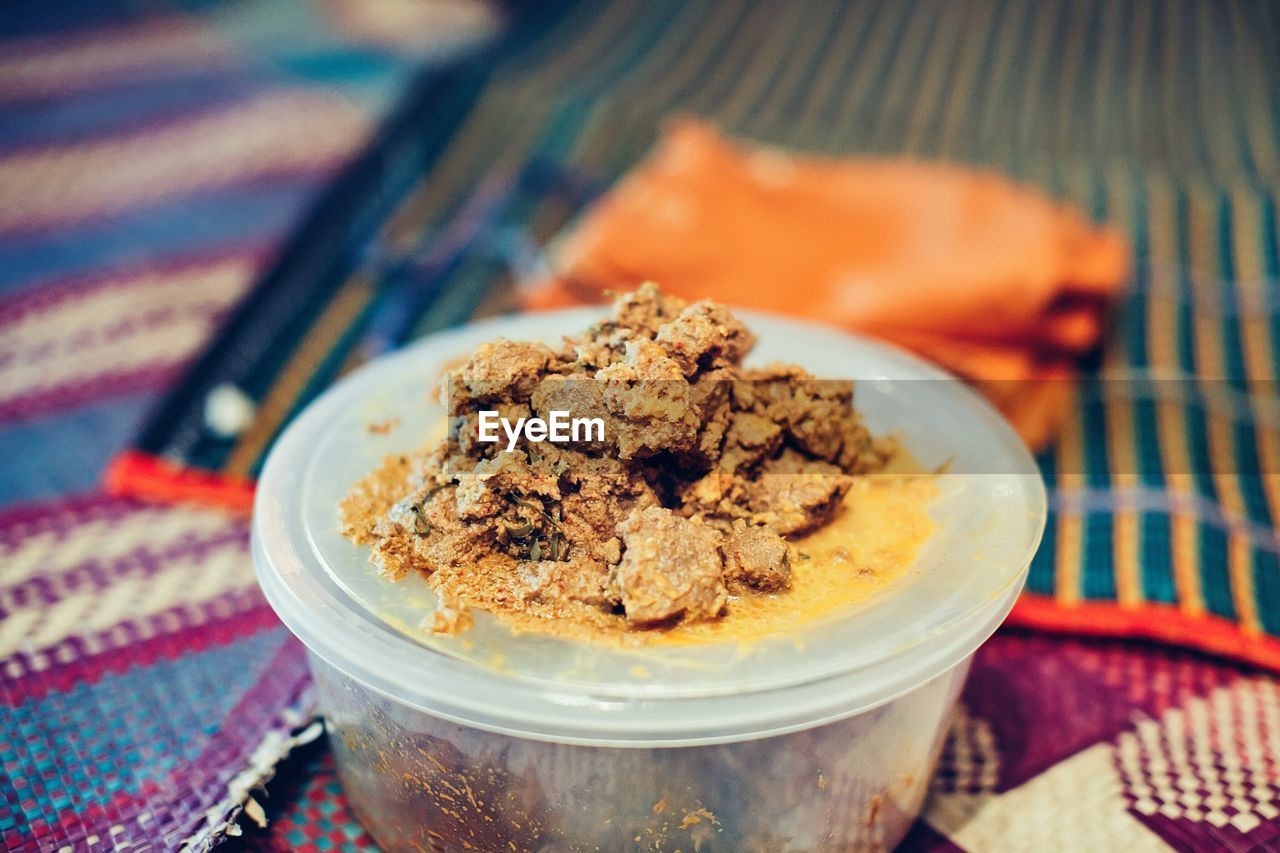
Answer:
(994, 281)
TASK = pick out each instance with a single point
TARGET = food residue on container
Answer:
(384, 427)
(722, 503)
(696, 817)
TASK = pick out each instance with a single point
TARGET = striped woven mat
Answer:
(153, 156)
(1160, 118)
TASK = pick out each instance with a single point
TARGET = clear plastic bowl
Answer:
(822, 738)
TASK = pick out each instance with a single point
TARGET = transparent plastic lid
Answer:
(990, 513)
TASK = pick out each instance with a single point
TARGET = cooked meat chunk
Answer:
(722, 492)
(709, 399)
(424, 532)
(636, 317)
(749, 439)
(757, 557)
(646, 309)
(861, 453)
(671, 568)
(816, 413)
(650, 403)
(645, 361)
(584, 397)
(705, 336)
(583, 580)
(794, 494)
(709, 495)
(590, 355)
(602, 345)
(500, 371)
(600, 491)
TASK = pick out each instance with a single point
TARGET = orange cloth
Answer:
(994, 281)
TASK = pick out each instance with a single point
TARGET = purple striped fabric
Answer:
(150, 164)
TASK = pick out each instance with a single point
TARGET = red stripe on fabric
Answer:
(140, 475)
(1162, 623)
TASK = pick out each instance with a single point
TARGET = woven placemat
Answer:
(152, 157)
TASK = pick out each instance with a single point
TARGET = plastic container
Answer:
(823, 738)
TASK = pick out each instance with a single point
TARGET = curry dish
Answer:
(722, 501)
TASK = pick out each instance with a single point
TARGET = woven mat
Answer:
(152, 160)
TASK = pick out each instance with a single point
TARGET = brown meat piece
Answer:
(705, 336)
(794, 494)
(604, 344)
(583, 580)
(757, 557)
(636, 317)
(499, 371)
(646, 309)
(709, 398)
(599, 492)
(710, 495)
(671, 568)
(749, 439)
(646, 361)
(461, 512)
(817, 414)
(423, 532)
(582, 397)
(861, 453)
(650, 403)
(721, 493)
